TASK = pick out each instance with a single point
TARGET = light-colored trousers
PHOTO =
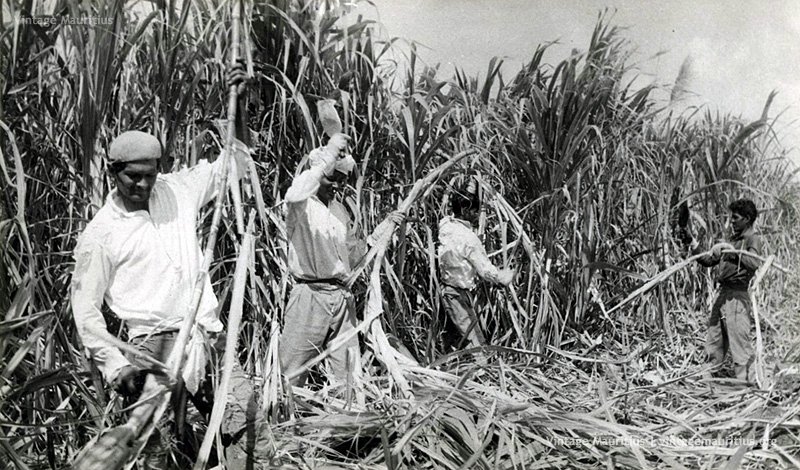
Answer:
(730, 328)
(316, 314)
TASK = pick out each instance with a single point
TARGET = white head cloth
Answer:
(132, 146)
(320, 156)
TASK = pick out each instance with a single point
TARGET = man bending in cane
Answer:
(462, 258)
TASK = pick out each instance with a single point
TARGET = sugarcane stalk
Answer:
(512, 293)
(667, 273)
(255, 184)
(756, 287)
(233, 98)
(231, 340)
(419, 187)
(273, 384)
(777, 266)
(381, 346)
(113, 448)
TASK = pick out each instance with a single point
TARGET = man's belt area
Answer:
(330, 281)
(453, 286)
(156, 334)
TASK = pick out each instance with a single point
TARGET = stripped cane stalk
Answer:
(176, 357)
(233, 98)
(231, 340)
(657, 279)
(419, 187)
(754, 290)
(772, 264)
(255, 184)
(667, 273)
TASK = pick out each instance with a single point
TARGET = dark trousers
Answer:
(458, 305)
(242, 426)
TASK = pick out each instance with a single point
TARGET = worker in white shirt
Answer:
(141, 256)
(323, 250)
(462, 259)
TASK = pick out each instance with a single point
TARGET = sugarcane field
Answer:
(243, 234)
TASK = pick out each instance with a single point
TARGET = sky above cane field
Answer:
(740, 50)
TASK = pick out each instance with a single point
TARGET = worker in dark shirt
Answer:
(731, 322)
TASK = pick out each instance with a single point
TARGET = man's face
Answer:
(136, 180)
(471, 215)
(739, 223)
(330, 185)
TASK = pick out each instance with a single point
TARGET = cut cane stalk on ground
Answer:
(231, 340)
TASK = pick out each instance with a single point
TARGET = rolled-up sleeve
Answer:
(304, 186)
(93, 269)
(199, 182)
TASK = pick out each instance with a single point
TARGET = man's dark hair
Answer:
(461, 201)
(116, 167)
(746, 208)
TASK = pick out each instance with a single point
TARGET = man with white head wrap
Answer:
(323, 250)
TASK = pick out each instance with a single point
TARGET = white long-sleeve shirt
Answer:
(144, 264)
(320, 238)
(462, 257)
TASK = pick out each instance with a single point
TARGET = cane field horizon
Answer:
(596, 350)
